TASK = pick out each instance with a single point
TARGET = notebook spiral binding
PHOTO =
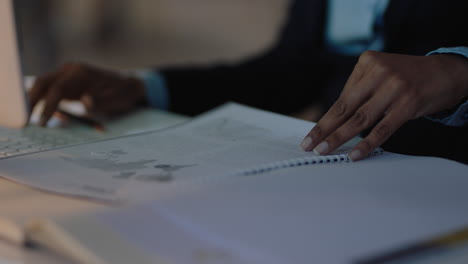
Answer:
(305, 161)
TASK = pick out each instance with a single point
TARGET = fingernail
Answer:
(306, 143)
(355, 155)
(321, 148)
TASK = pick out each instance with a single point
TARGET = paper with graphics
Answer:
(204, 150)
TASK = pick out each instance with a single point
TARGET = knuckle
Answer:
(406, 109)
(381, 131)
(74, 68)
(406, 99)
(366, 145)
(335, 139)
(339, 108)
(41, 79)
(411, 100)
(368, 56)
(383, 68)
(316, 132)
(416, 94)
(400, 83)
(359, 120)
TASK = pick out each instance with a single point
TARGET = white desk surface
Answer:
(20, 202)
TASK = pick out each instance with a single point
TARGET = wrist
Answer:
(459, 55)
(457, 67)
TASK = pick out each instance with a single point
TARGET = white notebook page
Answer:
(208, 149)
(330, 214)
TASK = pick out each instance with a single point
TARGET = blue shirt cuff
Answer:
(462, 51)
(459, 117)
(157, 94)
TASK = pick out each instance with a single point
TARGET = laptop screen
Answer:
(13, 107)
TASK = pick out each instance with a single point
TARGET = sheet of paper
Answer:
(159, 237)
(9, 254)
(202, 151)
(319, 214)
(5, 261)
(13, 254)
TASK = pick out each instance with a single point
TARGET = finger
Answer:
(107, 88)
(88, 102)
(362, 119)
(382, 131)
(121, 98)
(40, 87)
(103, 107)
(52, 100)
(366, 63)
(106, 95)
(365, 78)
(354, 96)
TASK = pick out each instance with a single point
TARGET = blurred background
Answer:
(120, 34)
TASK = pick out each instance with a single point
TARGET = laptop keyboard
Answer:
(34, 139)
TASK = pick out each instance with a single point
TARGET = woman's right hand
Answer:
(102, 92)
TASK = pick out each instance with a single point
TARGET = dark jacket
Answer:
(298, 70)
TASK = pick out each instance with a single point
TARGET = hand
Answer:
(388, 90)
(102, 92)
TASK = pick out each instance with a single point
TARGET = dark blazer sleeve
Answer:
(272, 80)
(419, 26)
(288, 76)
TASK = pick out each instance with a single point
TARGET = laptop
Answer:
(13, 108)
(17, 137)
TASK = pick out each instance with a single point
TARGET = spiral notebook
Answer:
(228, 142)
